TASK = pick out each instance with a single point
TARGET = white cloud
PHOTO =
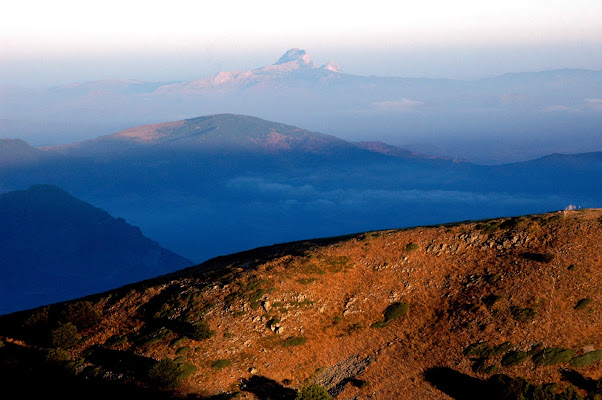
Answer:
(595, 104)
(398, 105)
(559, 108)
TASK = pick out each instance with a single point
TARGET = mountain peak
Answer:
(332, 66)
(297, 55)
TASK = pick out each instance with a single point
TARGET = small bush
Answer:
(306, 281)
(583, 303)
(294, 341)
(155, 336)
(379, 324)
(395, 310)
(491, 299)
(57, 356)
(587, 359)
(313, 392)
(492, 278)
(221, 364)
(183, 350)
(176, 342)
(116, 340)
(514, 358)
(522, 314)
(552, 356)
(482, 367)
(200, 330)
(511, 223)
(502, 349)
(186, 370)
(411, 247)
(359, 383)
(479, 350)
(82, 314)
(165, 373)
(65, 336)
(539, 257)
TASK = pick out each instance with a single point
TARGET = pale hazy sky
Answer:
(50, 41)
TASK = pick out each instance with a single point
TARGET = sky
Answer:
(61, 41)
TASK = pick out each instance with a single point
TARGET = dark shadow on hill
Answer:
(455, 384)
(120, 362)
(26, 373)
(503, 387)
(582, 382)
(267, 389)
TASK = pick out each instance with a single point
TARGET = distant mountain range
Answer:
(55, 247)
(221, 183)
(511, 117)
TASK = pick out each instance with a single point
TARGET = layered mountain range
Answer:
(511, 117)
(221, 183)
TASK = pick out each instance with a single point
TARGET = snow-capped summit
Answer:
(295, 55)
(332, 66)
(294, 66)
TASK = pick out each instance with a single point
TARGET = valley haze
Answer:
(217, 184)
(504, 118)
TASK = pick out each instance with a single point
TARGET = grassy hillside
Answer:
(490, 309)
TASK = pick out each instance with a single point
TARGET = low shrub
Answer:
(82, 314)
(200, 330)
(411, 246)
(482, 367)
(359, 383)
(154, 336)
(294, 341)
(186, 370)
(491, 299)
(514, 358)
(583, 303)
(587, 359)
(116, 340)
(539, 257)
(395, 310)
(313, 392)
(379, 324)
(65, 336)
(492, 278)
(479, 350)
(502, 349)
(165, 373)
(221, 364)
(522, 314)
(552, 356)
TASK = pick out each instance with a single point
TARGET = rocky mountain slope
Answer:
(54, 247)
(223, 133)
(474, 310)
